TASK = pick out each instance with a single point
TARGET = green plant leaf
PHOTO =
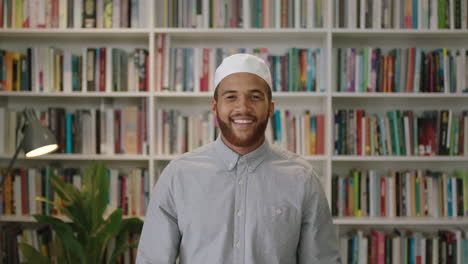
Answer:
(133, 225)
(102, 192)
(65, 233)
(33, 256)
(109, 229)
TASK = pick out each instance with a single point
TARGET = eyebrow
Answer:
(251, 91)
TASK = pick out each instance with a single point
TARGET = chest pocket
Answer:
(281, 219)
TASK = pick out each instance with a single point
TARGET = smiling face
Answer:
(242, 107)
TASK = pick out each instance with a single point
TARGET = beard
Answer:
(250, 137)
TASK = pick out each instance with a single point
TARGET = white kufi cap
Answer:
(243, 63)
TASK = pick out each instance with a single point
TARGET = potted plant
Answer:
(86, 238)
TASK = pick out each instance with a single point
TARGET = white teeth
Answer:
(243, 121)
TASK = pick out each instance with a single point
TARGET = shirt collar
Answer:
(230, 158)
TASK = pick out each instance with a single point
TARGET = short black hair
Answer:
(269, 94)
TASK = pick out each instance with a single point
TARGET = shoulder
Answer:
(200, 155)
(283, 157)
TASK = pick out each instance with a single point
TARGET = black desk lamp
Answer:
(37, 140)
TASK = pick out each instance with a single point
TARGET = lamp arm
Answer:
(15, 156)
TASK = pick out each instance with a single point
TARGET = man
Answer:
(239, 199)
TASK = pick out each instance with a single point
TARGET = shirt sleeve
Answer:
(319, 239)
(160, 237)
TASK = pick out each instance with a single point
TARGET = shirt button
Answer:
(238, 244)
(241, 182)
(239, 213)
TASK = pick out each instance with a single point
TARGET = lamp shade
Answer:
(38, 140)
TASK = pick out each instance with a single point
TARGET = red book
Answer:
(55, 13)
(320, 135)
(263, 14)
(139, 131)
(380, 248)
(117, 124)
(348, 198)
(206, 57)
(123, 195)
(2, 3)
(391, 61)
(24, 191)
(383, 189)
(374, 247)
(431, 72)
(102, 70)
(359, 115)
(284, 13)
(368, 137)
(410, 77)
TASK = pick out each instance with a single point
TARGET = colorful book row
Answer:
(48, 69)
(129, 190)
(192, 69)
(73, 14)
(410, 70)
(401, 14)
(178, 132)
(299, 132)
(108, 130)
(401, 133)
(241, 14)
(406, 193)
(41, 238)
(404, 247)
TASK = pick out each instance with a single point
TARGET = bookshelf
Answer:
(277, 40)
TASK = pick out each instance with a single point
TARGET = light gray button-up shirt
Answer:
(213, 206)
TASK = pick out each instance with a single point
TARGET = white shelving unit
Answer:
(276, 40)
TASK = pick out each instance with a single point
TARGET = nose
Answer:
(243, 105)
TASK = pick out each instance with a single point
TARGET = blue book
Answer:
(278, 126)
(355, 250)
(415, 14)
(449, 197)
(412, 249)
(279, 77)
(313, 125)
(465, 250)
(362, 70)
(69, 134)
(274, 74)
(309, 71)
(344, 190)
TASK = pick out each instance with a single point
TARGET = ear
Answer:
(214, 105)
(272, 109)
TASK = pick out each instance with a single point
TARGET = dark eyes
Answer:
(253, 97)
